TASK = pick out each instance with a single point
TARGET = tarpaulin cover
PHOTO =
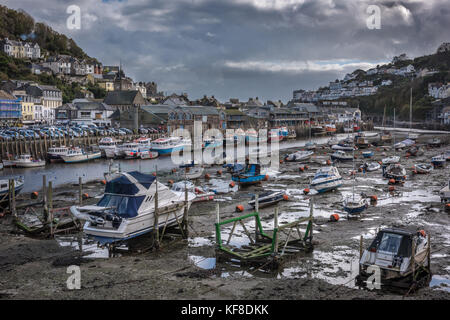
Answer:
(122, 185)
(126, 207)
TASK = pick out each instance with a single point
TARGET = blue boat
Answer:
(251, 175)
(367, 154)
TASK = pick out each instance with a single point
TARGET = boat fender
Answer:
(285, 197)
(301, 169)
(34, 195)
(391, 181)
(207, 176)
(219, 172)
(174, 170)
(334, 217)
(391, 188)
(281, 161)
(103, 181)
(232, 184)
(266, 177)
(328, 162)
(306, 190)
(306, 167)
(373, 198)
(85, 196)
(239, 208)
(423, 233)
(154, 174)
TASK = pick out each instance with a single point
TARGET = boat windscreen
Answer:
(126, 207)
(390, 242)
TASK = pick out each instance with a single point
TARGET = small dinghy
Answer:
(299, 156)
(310, 146)
(367, 154)
(340, 155)
(251, 175)
(370, 167)
(332, 141)
(438, 161)
(192, 171)
(435, 142)
(423, 168)
(390, 160)
(343, 147)
(401, 254)
(444, 193)
(4, 187)
(395, 171)
(147, 154)
(268, 198)
(200, 193)
(355, 204)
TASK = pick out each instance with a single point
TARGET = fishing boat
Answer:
(371, 166)
(284, 132)
(268, 198)
(165, 146)
(251, 175)
(310, 145)
(144, 143)
(108, 147)
(401, 254)
(414, 151)
(76, 155)
(299, 156)
(127, 208)
(395, 171)
(405, 143)
(4, 187)
(9, 162)
(423, 168)
(438, 161)
(326, 179)
(122, 149)
(367, 154)
(330, 128)
(27, 161)
(54, 154)
(444, 193)
(340, 155)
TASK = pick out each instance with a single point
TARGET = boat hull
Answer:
(325, 186)
(82, 158)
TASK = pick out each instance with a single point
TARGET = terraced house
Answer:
(20, 49)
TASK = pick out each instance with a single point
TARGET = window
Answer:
(390, 243)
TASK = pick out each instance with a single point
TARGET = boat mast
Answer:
(394, 132)
(410, 110)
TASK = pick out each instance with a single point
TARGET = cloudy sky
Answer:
(245, 48)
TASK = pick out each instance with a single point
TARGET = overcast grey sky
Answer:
(245, 48)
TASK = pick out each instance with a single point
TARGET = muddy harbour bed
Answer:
(36, 268)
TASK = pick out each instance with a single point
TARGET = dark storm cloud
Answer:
(243, 48)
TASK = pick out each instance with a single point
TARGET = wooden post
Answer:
(50, 206)
(44, 195)
(13, 191)
(413, 258)
(429, 253)
(10, 195)
(185, 216)
(156, 217)
(80, 191)
(360, 247)
(256, 218)
(275, 224)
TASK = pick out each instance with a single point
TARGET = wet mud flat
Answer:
(35, 268)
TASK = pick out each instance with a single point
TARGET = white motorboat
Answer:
(371, 166)
(27, 161)
(165, 146)
(340, 155)
(343, 147)
(127, 208)
(299, 156)
(423, 168)
(392, 252)
(192, 171)
(4, 186)
(76, 155)
(326, 179)
(148, 154)
(390, 160)
(332, 141)
(126, 148)
(354, 204)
